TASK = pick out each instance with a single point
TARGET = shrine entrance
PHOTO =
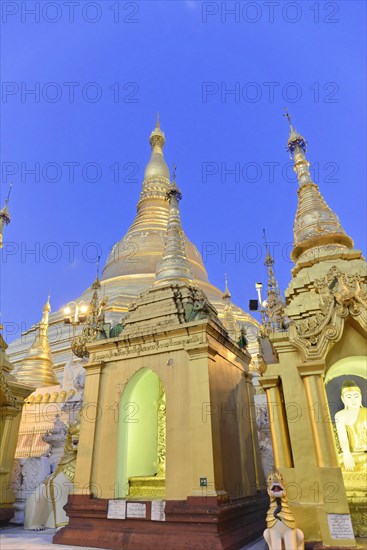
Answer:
(141, 457)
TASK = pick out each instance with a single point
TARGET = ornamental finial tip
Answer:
(226, 294)
(174, 169)
(157, 123)
(287, 116)
(8, 197)
(265, 241)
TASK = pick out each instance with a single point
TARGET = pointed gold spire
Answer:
(316, 225)
(274, 304)
(37, 367)
(174, 266)
(228, 320)
(157, 166)
(152, 205)
(227, 294)
(138, 252)
(4, 216)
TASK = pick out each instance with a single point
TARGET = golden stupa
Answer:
(131, 266)
(37, 368)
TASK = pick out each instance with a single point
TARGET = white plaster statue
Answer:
(27, 474)
(45, 506)
(56, 440)
(351, 427)
(265, 446)
(281, 529)
(74, 375)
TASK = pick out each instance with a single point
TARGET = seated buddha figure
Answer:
(351, 426)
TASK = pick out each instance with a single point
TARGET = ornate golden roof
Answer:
(316, 225)
(36, 368)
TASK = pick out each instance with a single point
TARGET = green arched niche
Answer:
(138, 430)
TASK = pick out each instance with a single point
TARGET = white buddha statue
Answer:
(351, 426)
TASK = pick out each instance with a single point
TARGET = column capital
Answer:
(94, 368)
(201, 351)
(311, 368)
(268, 382)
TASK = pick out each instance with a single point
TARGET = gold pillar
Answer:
(89, 415)
(10, 419)
(311, 374)
(278, 423)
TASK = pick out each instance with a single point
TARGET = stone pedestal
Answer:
(197, 523)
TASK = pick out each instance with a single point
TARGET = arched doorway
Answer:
(141, 452)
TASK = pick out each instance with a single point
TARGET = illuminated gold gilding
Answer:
(37, 367)
(174, 266)
(315, 224)
(229, 320)
(326, 303)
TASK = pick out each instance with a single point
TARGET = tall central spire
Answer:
(174, 265)
(316, 225)
(141, 248)
(156, 182)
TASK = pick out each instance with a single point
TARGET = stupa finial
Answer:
(295, 139)
(37, 367)
(4, 215)
(227, 294)
(316, 224)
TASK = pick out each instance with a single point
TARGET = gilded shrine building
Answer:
(171, 371)
(165, 463)
(316, 392)
(123, 280)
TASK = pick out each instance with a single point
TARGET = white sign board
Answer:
(157, 513)
(136, 510)
(340, 526)
(116, 509)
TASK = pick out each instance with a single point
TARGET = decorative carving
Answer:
(95, 327)
(242, 340)
(341, 295)
(263, 429)
(10, 398)
(56, 441)
(161, 410)
(45, 506)
(198, 307)
(27, 474)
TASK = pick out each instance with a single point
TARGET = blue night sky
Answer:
(101, 73)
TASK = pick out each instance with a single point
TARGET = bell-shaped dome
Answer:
(140, 250)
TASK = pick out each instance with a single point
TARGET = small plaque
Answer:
(136, 510)
(157, 513)
(116, 509)
(340, 526)
(203, 482)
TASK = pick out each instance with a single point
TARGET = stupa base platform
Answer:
(198, 522)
